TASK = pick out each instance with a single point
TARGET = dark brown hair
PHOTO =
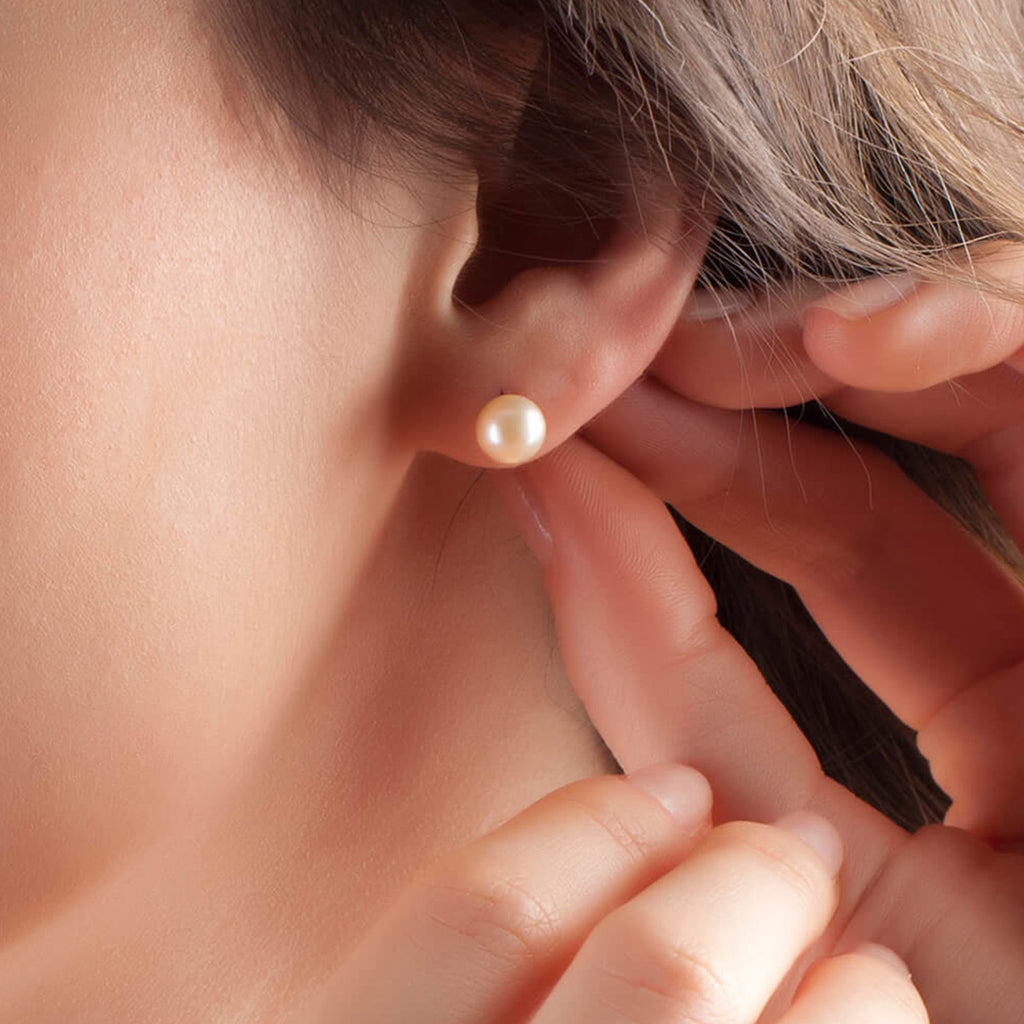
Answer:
(833, 141)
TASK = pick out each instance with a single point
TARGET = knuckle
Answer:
(782, 855)
(620, 811)
(646, 975)
(698, 639)
(477, 908)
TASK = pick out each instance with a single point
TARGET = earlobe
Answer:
(570, 336)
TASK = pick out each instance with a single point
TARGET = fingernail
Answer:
(714, 304)
(680, 789)
(526, 509)
(818, 833)
(873, 295)
(883, 953)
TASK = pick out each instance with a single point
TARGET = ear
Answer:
(568, 320)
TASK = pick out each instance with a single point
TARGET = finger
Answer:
(711, 940)
(888, 334)
(749, 361)
(951, 907)
(898, 335)
(951, 417)
(862, 987)
(916, 606)
(753, 355)
(959, 350)
(979, 418)
(857, 348)
(735, 362)
(488, 929)
(655, 670)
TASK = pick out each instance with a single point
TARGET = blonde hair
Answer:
(842, 136)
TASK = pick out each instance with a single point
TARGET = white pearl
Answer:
(511, 429)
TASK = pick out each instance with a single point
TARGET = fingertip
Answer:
(885, 955)
(826, 340)
(865, 299)
(851, 352)
(683, 791)
(932, 333)
(819, 834)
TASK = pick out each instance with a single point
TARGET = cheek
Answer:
(161, 558)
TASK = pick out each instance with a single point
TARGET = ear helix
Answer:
(511, 429)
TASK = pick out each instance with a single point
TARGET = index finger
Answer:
(902, 334)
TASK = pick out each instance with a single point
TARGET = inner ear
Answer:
(526, 226)
(550, 201)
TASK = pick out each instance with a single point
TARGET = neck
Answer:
(438, 709)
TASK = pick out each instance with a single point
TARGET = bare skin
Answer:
(271, 641)
(235, 606)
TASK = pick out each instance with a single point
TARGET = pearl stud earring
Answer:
(511, 429)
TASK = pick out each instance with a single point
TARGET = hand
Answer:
(662, 680)
(914, 604)
(613, 900)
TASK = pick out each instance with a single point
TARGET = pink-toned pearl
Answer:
(511, 429)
